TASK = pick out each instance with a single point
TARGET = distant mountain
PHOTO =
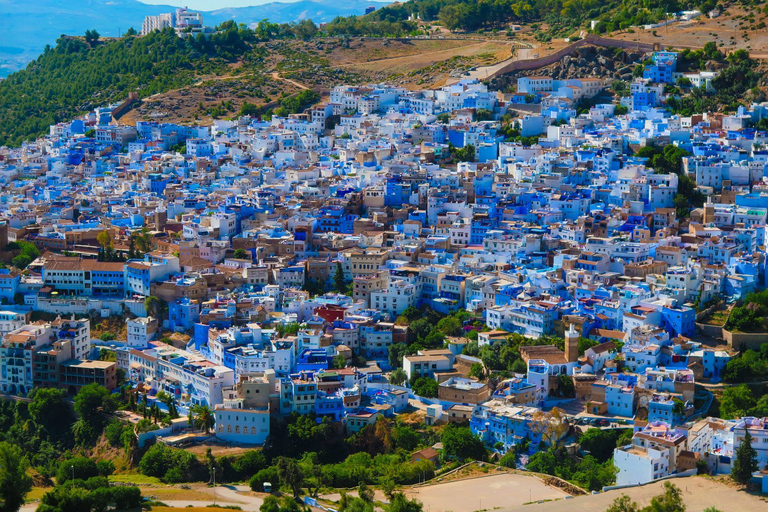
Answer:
(29, 25)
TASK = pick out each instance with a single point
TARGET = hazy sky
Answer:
(209, 5)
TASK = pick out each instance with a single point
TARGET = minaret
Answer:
(571, 344)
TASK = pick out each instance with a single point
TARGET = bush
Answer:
(265, 475)
(169, 464)
(82, 468)
(105, 467)
(250, 463)
(426, 387)
(114, 433)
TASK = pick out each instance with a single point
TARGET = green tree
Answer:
(155, 306)
(145, 242)
(399, 503)
(396, 353)
(91, 37)
(483, 114)
(450, 326)
(15, 483)
(82, 468)
(585, 344)
(50, 410)
(425, 386)
(600, 443)
(671, 500)
(270, 504)
(93, 400)
(398, 377)
(460, 443)
(241, 254)
(623, 504)
(477, 371)
(264, 475)
(290, 474)
(746, 461)
(204, 418)
(736, 401)
(339, 282)
(340, 361)
(105, 239)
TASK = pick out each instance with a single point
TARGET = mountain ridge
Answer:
(31, 25)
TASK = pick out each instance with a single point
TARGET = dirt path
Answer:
(278, 76)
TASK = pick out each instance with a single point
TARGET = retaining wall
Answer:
(522, 65)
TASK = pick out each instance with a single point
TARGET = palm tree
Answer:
(204, 418)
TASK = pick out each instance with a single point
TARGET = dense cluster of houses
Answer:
(281, 247)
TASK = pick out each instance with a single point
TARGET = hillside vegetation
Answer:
(79, 74)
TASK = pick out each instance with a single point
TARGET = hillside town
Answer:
(263, 267)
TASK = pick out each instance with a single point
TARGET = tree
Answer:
(398, 377)
(551, 426)
(94, 399)
(91, 37)
(144, 240)
(746, 461)
(105, 240)
(290, 474)
(483, 114)
(204, 418)
(450, 326)
(585, 344)
(671, 500)
(623, 504)
(50, 410)
(399, 503)
(130, 32)
(425, 386)
(92, 403)
(340, 361)
(241, 254)
(155, 306)
(14, 481)
(264, 475)
(477, 371)
(592, 475)
(339, 282)
(460, 443)
(736, 401)
(396, 353)
(365, 492)
(270, 504)
(82, 468)
(600, 443)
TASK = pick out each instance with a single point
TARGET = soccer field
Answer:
(486, 493)
(699, 493)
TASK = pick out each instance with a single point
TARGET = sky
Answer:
(209, 5)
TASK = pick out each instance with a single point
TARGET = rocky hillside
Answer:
(587, 61)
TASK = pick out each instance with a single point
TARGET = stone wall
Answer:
(745, 340)
(528, 64)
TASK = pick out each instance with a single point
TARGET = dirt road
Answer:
(699, 493)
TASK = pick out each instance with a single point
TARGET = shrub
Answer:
(265, 475)
(82, 468)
